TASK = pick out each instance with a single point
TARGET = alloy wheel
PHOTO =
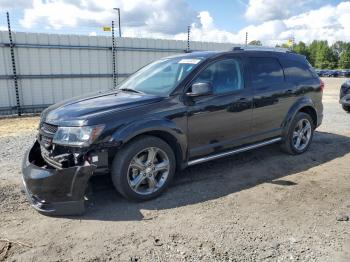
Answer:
(302, 134)
(148, 170)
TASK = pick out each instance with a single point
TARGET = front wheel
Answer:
(346, 108)
(143, 169)
(300, 134)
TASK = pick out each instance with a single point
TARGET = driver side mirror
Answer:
(201, 89)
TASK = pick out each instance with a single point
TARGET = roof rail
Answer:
(260, 48)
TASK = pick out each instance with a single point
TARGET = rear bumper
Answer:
(54, 191)
(345, 100)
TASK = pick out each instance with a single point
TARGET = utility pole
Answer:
(114, 59)
(13, 59)
(246, 38)
(120, 30)
(188, 38)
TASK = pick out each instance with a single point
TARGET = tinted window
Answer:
(295, 70)
(265, 71)
(225, 76)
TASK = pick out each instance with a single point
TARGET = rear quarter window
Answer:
(297, 71)
(265, 71)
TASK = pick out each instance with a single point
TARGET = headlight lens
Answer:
(77, 136)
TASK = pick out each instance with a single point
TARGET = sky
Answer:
(270, 21)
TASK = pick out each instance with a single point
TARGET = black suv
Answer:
(175, 112)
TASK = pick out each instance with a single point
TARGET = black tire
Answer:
(346, 108)
(120, 167)
(288, 141)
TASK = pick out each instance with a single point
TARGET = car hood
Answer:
(87, 109)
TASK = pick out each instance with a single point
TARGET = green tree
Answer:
(322, 56)
(339, 47)
(302, 49)
(344, 59)
(313, 49)
(255, 42)
(325, 56)
(342, 51)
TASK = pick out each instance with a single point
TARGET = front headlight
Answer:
(77, 136)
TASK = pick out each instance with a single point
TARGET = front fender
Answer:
(128, 132)
(299, 104)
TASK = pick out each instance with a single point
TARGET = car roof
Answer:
(279, 52)
(196, 54)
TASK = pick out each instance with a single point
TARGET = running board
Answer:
(236, 151)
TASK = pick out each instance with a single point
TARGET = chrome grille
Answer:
(48, 128)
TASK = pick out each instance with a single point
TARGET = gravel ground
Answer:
(261, 205)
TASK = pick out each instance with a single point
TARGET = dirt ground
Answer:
(17, 126)
(262, 205)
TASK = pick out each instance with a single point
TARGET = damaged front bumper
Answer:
(53, 191)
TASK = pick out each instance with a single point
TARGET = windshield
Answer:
(160, 77)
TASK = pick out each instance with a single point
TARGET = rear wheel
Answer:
(300, 134)
(346, 108)
(143, 169)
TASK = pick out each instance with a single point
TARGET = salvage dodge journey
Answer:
(176, 112)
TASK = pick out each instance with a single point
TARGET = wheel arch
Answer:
(310, 111)
(304, 105)
(163, 129)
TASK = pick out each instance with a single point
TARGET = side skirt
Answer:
(233, 152)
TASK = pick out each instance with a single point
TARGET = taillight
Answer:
(322, 85)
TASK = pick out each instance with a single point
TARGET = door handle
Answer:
(243, 100)
(239, 105)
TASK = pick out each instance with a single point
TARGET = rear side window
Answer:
(297, 71)
(265, 71)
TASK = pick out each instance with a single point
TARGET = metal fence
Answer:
(51, 67)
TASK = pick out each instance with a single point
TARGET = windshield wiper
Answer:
(130, 90)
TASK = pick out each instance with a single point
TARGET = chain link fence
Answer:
(39, 69)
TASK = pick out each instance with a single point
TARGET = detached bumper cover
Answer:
(345, 100)
(54, 191)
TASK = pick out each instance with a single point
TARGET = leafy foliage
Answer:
(301, 48)
(344, 58)
(320, 54)
(255, 42)
(323, 56)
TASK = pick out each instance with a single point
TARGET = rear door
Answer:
(270, 96)
(302, 78)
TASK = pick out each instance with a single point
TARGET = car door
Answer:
(271, 94)
(222, 119)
